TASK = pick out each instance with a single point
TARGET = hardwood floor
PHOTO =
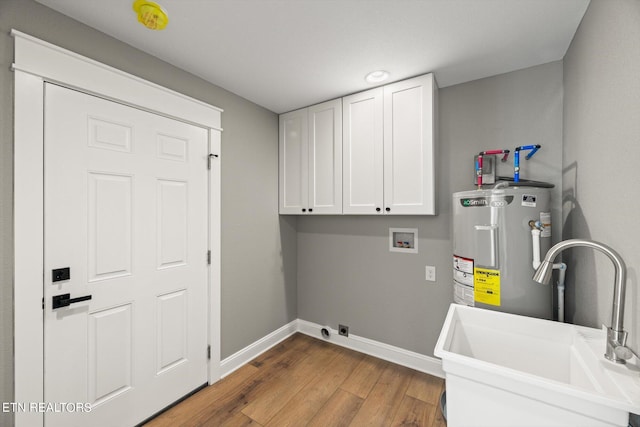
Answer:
(305, 381)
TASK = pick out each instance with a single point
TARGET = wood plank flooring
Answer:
(305, 381)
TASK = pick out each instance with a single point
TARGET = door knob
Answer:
(65, 300)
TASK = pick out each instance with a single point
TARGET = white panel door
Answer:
(409, 186)
(293, 157)
(363, 172)
(126, 211)
(325, 158)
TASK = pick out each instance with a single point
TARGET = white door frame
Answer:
(37, 62)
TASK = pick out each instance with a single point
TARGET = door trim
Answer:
(37, 62)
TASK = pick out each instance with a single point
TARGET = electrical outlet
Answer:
(430, 273)
(343, 330)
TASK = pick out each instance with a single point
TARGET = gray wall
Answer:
(346, 273)
(601, 154)
(258, 248)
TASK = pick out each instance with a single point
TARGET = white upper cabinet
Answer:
(294, 167)
(389, 140)
(371, 153)
(409, 133)
(363, 153)
(310, 154)
(325, 158)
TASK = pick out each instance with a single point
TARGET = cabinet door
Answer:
(363, 153)
(409, 176)
(293, 157)
(325, 158)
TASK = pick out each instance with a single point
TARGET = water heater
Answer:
(492, 249)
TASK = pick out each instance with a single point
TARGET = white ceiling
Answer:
(286, 54)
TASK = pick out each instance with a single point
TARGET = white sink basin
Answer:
(508, 370)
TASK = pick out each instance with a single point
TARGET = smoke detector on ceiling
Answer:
(150, 14)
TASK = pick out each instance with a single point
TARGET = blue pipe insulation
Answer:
(516, 158)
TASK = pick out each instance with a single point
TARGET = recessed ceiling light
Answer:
(150, 14)
(377, 76)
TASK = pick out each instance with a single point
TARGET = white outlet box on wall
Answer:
(403, 240)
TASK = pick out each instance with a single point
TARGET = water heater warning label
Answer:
(463, 270)
(486, 289)
(463, 280)
(529, 200)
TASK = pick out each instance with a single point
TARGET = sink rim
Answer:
(455, 361)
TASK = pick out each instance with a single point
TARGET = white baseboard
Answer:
(400, 356)
(252, 351)
(397, 355)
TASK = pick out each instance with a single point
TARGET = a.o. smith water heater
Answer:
(492, 249)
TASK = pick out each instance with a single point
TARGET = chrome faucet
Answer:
(616, 336)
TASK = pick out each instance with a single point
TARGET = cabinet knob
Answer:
(310, 210)
(388, 209)
(377, 209)
(304, 210)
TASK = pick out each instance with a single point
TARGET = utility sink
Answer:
(508, 370)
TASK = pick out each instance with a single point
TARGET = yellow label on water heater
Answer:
(486, 286)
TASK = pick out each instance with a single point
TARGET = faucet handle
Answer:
(624, 352)
(616, 345)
